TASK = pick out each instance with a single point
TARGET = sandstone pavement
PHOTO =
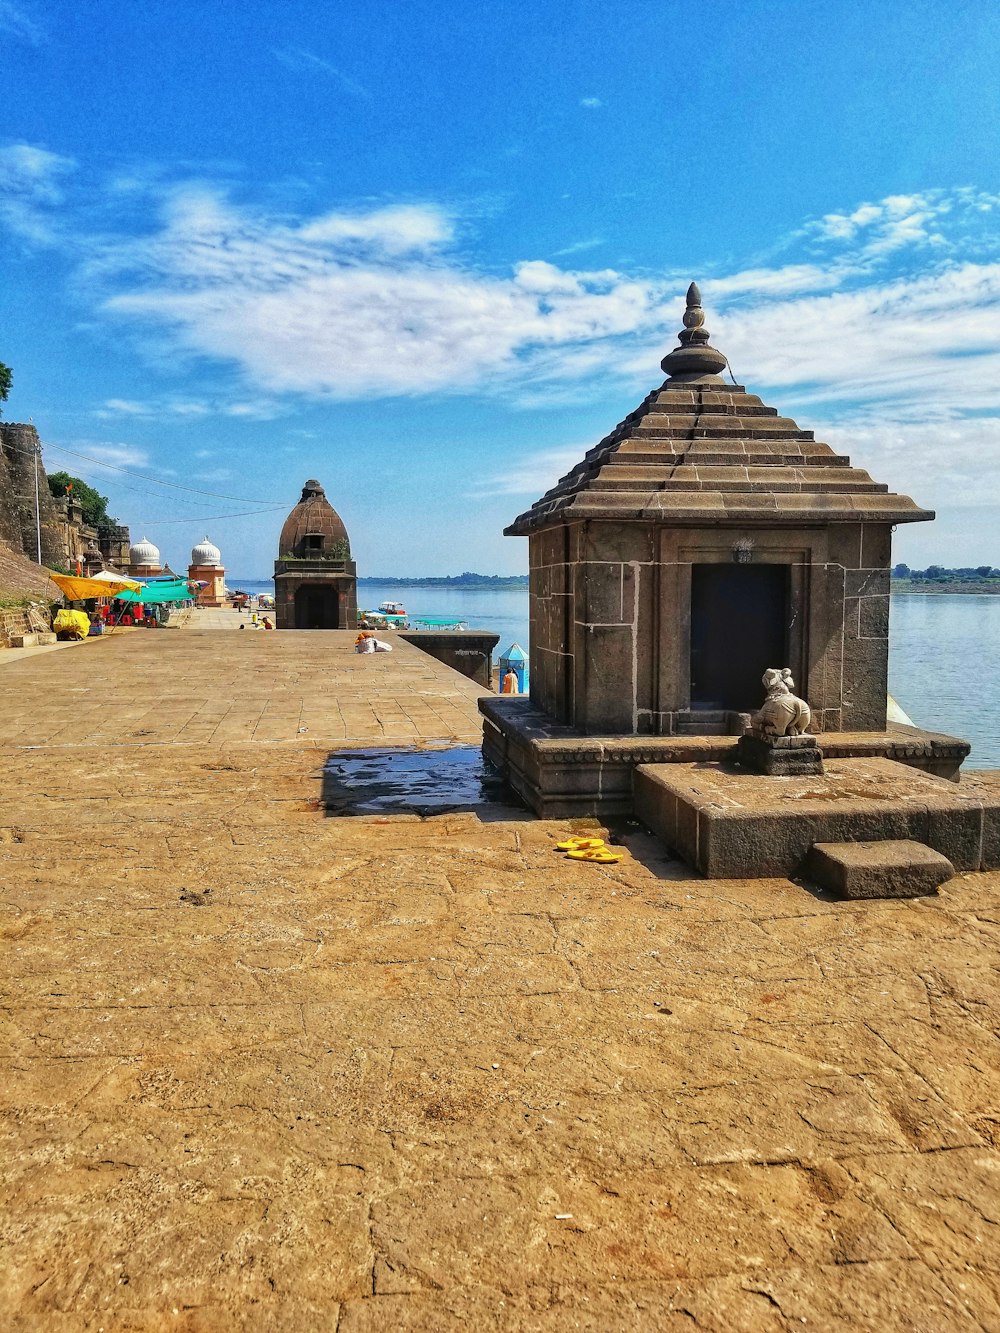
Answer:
(265, 1069)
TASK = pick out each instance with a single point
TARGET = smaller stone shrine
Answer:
(206, 567)
(92, 560)
(315, 579)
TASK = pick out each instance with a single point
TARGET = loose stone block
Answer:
(891, 869)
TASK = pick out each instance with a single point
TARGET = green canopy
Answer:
(173, 590)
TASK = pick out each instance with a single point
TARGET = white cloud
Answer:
(295, 58)
(84, 456)
(774, 282)
(533, 474)
(893, 318)
(30, 188)
(126, 407)
(122, 455)
(899, 220)
(939, 460)
(578, 247)
(592, 103)
(353, 304)
(261, 409)
(16, 23)
(395, 231)
(933, 340)
(350, 304)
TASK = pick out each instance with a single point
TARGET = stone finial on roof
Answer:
(695, 361)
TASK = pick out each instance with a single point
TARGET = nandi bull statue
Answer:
(777, 744)
(782, 713)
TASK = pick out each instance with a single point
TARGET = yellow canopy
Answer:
(107, 576)
(76, 589)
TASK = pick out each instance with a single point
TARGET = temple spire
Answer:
(695, 361)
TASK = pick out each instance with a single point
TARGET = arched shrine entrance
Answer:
(317, 607)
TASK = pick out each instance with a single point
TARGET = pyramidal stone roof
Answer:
(700, 451)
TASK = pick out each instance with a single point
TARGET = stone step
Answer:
(895, 868)
(702, 722)
(23, 640)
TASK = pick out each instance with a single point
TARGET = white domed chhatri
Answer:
(144, 553)
(206, 569)
(206, 554)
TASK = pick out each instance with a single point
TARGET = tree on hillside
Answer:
(95, 505)
(6, 380)
(901, 571)
(984, 571)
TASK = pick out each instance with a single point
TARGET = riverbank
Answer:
(267, 1069)
(929, 588)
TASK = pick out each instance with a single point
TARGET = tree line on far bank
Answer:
(939, 574)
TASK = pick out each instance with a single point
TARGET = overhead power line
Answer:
(175, 485)
(141, 476)
(217, 518)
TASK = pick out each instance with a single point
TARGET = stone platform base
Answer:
(733, 825)
(779, 756)
(559, 772)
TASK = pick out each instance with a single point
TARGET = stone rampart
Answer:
(19, 448)
(64, 534)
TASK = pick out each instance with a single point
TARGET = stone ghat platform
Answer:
(558, 771)
(264, 1071)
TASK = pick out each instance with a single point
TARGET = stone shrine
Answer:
(705, 540)
(315, 579)
(206, 567)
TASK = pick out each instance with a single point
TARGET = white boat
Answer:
(392, 609)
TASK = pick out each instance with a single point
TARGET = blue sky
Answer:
(431, 253)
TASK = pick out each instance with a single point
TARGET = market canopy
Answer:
(77, 589)
(119, 580)
(169, 590)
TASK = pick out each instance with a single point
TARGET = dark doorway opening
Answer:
(739, 628)
(317, 608)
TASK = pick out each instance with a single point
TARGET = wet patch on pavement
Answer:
(412, 780)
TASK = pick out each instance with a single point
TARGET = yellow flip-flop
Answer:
(599, 854)
(578, 844)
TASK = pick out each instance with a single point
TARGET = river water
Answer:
(944, 658)
(944, 667)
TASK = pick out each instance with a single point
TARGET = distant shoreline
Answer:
(519, 582)
(485, 581)
(911, 588)
(478, 581)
